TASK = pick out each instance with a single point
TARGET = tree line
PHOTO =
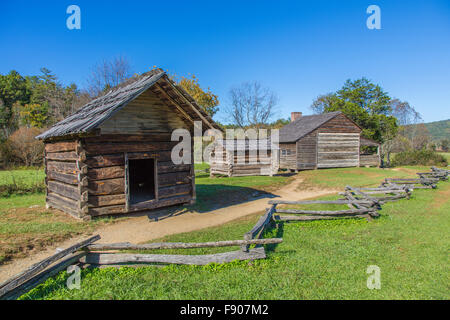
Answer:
(29, 104)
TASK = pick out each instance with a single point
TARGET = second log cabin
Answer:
(113, 156)
(329, 140)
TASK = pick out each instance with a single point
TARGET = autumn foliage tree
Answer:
(204, 97)
(24, 147)
(34, 115)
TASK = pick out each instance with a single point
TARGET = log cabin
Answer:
(329, 140)
(113, 156)
(248, 157)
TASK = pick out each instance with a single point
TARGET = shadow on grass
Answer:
(212, 197)
(276, 230)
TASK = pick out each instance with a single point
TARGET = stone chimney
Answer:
(295, 116)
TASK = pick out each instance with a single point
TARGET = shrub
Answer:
(25, 147)
(419, 157)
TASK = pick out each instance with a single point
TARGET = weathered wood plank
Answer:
(66, 190)
(176, 190)
(106, 160)
(262, 222)
(105, 148)
(321, 202)
(325, 212)
(169, 166)
(107, 200)
(312, 218)
(106, 173)
(62, 167)
(122, 258)
(43, 276)
(63, 177)
(67, 202)
(180, 245)
(152, 204)
(51, 203)
(28, 274)
(168, 179)
(159, 155)
(63, 156)
(100, 211)
(107, 187)
(60, 146)
(163, 137)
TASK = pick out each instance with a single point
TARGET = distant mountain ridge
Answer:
(439, 129)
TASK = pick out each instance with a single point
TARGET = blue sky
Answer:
(299, 49)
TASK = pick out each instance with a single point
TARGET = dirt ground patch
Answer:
(440, 198)
(26, 231)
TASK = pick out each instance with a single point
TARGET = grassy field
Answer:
(21, 181)
(317, 260)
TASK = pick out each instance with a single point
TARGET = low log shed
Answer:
(369, 153)
(114, 154)
(247, 157)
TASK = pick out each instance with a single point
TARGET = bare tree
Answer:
(252, 105)
(322, 103)
(25, 147)
(404, 113)
(108, 74)
(411, 122)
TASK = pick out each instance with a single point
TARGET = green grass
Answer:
(317, 260)
(340, 177)
(21, 181)
(22, 201)
(446, 155)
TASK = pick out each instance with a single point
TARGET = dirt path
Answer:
(141, 228)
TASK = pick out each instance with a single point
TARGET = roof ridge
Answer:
(299, 128)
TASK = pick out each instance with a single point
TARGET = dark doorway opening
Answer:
(141, 180)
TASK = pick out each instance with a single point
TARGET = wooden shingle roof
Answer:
(299, 128)
(102, 108)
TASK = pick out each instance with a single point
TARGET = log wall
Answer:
(307, 151)
(107, 172)
(288, 156)
(337, 150)
(66, 179)
(87, 177)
